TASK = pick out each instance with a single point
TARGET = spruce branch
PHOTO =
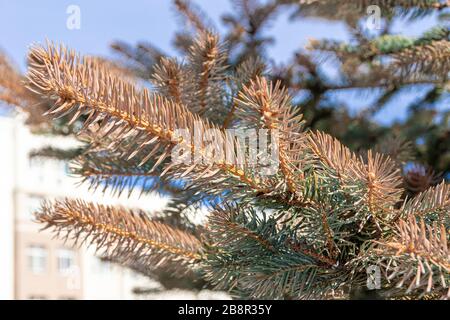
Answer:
(373, 180)
(417, 258)
(432, 59)
(397, 148)
(105, 170)
(115, 230)
(56, 153)
(79, 86)
(351, 11)
(207, 67)
(245, 38)
(268, 106)
(332, 154)
(118, 109)
(252, 256)
(192, 15)
(231, 227)
(382, 181)
(185, 278)
(390, 61)
(13, 92)
(170, 79)
(246, 72)
(432, 204)
(140, 58)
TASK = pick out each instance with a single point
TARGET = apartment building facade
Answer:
(34, 265)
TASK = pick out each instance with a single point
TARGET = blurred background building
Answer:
(33, 265)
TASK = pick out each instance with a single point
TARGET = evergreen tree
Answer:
(307, 219)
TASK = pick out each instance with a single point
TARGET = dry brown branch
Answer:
(433, 201)
(432, 58)
(418, 257)
(268, 106)
(113, 229)
(118, 109)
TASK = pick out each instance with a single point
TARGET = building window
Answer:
(66, 261)
(37, 259)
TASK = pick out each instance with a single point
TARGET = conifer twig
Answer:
(115, 229)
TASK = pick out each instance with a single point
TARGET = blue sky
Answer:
(25, 22)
